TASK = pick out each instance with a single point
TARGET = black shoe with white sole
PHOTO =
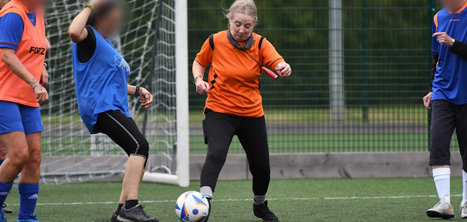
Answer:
(135, 214)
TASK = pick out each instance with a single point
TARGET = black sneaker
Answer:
(209, 214)
(114, 217)
(6, 210)
(135, 214)
(262, 211)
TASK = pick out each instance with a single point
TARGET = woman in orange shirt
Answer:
(234, 103)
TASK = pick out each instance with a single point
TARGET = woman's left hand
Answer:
(44, 77)
(146, 97)
(283, 69)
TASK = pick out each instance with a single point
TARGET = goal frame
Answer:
(182, 176)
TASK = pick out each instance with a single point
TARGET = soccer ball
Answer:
(192, 206)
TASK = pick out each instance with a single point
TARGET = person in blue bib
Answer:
(102, 91)
(448, 101)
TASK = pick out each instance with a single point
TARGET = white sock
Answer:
(206, 191)
(464, 187)
(442, 182)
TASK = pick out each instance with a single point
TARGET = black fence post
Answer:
(431, 13)
(365, 46)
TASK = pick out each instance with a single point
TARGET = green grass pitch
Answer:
(292, 200)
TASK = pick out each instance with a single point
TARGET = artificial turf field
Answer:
(292, 200)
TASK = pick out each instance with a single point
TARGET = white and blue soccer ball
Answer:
(192, 206)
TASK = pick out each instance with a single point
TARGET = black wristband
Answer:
(137, 91)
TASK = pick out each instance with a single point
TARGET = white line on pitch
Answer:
(240, 200)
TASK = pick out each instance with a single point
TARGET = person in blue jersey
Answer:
(448, 101)
(102, 92)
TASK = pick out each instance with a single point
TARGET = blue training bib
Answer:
(101, 83)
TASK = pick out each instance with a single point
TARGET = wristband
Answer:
(45, 65)
(34, 87)
(87, 5)
(32, 80)
(137, 91)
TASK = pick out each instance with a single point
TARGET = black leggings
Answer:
(123, 131)
(219, 130)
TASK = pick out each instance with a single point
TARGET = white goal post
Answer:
(182, 178)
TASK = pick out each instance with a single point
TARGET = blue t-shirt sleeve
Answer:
(11, 30)
(434, 42)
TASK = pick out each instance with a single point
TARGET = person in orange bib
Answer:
(23, 45)
(234, 103)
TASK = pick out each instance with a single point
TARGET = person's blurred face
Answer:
(452, 5)
(241, 26)
(3, 3)
(31, 4)
(110, 23)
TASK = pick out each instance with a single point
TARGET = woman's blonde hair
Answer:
(3, 3)
(247, 7)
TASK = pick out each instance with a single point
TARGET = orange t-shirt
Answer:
(234, 76)
(31, 53)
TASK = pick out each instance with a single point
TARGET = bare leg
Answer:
(2, 151)
(16, 146)
(32, 170)
(122, 197)
(133, 174)
(2, 159)
(18, 155)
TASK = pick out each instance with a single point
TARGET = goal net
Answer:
(153, 40)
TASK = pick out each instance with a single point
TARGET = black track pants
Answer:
(445, 118)
(219, 130)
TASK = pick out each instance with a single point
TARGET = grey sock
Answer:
(206, 191)
(259, 199)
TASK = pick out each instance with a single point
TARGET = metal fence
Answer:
(360, 70)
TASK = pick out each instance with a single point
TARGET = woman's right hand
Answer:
(41, 94)
(202, 87)
(427, 100)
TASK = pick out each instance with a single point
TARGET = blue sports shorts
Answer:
(16, 117)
